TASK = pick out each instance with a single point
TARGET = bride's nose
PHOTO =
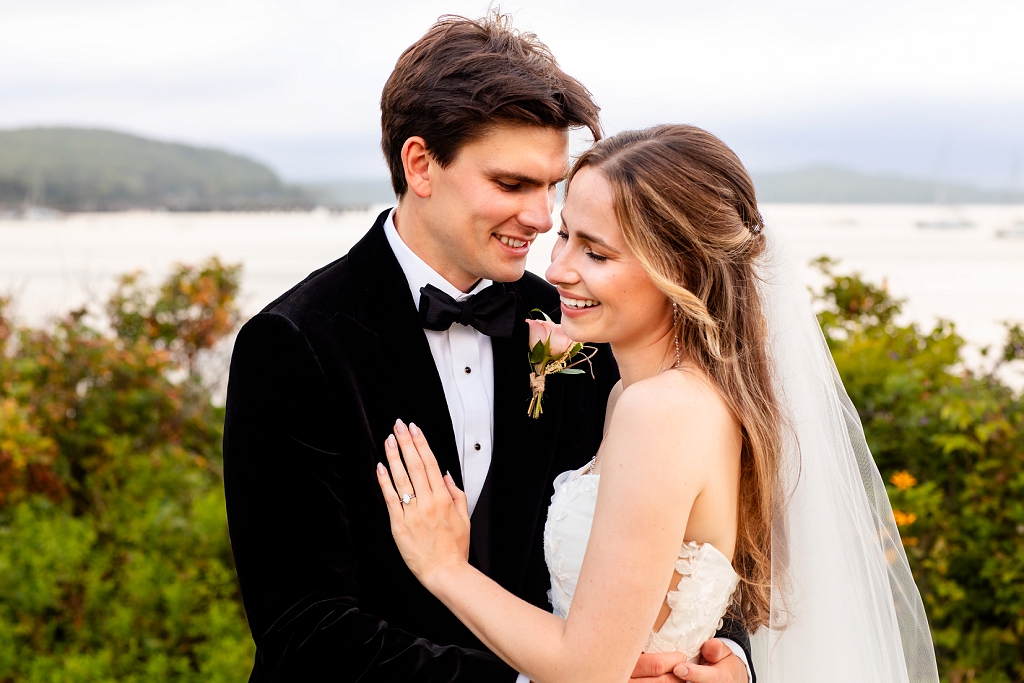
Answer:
(561, 270)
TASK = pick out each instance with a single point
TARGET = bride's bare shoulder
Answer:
(681, 390)
(674, 407)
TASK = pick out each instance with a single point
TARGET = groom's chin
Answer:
(506, 271)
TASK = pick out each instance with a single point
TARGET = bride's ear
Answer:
(416, 161)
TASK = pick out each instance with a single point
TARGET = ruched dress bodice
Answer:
(699, 601)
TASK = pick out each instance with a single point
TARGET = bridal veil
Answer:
(844, 603)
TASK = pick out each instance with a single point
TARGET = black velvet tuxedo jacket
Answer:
(317, 380)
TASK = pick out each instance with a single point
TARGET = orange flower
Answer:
(904, 518)
(903, 480)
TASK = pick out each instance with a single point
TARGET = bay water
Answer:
(968, 274)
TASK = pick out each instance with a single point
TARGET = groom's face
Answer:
(488, 206)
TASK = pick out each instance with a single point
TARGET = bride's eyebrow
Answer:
(587, 237)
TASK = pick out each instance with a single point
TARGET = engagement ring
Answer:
(406, 497)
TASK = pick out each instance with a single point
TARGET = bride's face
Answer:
(606, 294)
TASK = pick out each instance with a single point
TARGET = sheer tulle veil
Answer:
(844, 603)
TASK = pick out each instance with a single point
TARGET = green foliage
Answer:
(114, 557)
(951, 443)
(186, 315)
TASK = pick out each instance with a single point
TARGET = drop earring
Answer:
(675, 332)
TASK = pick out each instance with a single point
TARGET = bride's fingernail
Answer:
(414, 429)
(399, 426)
(682, 671)
(380, 469)
(390, 441)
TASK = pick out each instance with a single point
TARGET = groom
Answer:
(423, 320)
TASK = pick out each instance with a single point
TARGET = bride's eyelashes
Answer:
(563, 235)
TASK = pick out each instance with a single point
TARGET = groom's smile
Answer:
(518, 247)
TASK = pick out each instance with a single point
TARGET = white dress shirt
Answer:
(465, 363)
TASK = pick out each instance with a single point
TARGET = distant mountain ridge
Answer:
(829, 185)
(73, 169)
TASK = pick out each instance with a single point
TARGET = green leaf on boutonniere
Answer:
(544, 363)
(538, 354)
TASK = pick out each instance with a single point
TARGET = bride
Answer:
(733, 474)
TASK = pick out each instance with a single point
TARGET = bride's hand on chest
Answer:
(429, 514)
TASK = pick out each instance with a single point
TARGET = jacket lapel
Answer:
(405, 381)
(522, 457)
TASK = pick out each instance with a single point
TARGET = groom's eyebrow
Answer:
(525, 179)
(586, 236)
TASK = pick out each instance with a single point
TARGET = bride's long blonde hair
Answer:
(688, 211)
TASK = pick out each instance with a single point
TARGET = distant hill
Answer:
(73, 169)
(826, 185)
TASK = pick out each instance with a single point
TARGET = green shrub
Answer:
(950, 442)
(114, 556)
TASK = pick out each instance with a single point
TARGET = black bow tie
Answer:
(492, 311)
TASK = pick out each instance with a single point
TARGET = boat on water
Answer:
(1014, 231)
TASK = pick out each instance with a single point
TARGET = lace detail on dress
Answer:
(705, 590)
(699, 601)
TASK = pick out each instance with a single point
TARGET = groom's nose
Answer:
(535, 212)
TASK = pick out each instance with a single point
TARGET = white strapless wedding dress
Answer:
(699, 601)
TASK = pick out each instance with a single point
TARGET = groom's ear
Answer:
(417, 162)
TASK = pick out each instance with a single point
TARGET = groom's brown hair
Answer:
(464, 76)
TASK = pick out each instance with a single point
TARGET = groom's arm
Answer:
(289, 524)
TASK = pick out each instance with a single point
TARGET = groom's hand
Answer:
(657, 667)
(720, 666)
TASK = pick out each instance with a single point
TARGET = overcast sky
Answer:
(930, 88)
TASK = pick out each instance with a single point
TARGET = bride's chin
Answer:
(571, 330)
(578, 333)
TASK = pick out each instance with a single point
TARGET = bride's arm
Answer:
(660, 448)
